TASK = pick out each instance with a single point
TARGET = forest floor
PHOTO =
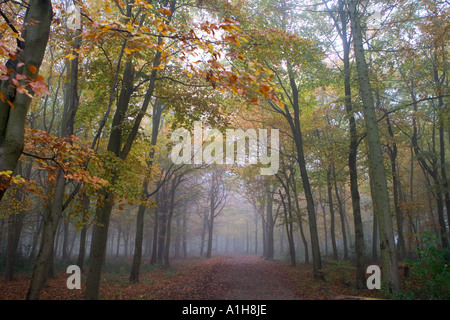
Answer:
(218, 278)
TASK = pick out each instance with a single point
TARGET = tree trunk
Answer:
(15, 226)
(103, 210)
(162, 234)
(341, 214)
(65, 243)
(332, 220)
(36, 30)
(256, 233)
(203, 234)
(137, 257)
(387, 244)
(269, 225)
(177, 244)
(396, 192)
(300, 221)
(98, 245)
(155, 236)
(352, 159)
(185, 218)
(45, 256)
(325, 229)
(173, 188)
(298, 139)
(375, 242)
(287, 209)
(210, 237)
(56, 209)
(82, 249)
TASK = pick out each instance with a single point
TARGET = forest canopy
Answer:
(311, 132)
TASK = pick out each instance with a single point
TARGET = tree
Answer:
(51, 222)
(22, 79)
(217, 198)
(387, 244)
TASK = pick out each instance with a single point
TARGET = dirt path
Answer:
(250, 278)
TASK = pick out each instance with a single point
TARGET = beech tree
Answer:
(20, 81)
(382, 202)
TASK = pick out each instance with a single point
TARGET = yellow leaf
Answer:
(108, 8)
(129, 27)
(70, 56)
(244, 39)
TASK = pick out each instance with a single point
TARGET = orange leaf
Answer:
(10, 104)
(32, 68)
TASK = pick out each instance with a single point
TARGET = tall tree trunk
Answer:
(45, 256)
(185, 220)
(375, 241)
(36, 237)
(264, 235)
(103, 210)
(30, 53)
(396, 192)
(119, 234)
(429, 171)
(288, 221)
(83, 234)
(203, 234)
(177, 244)
(332, 220)
(387, 244)
(300, 220)
(256, 232)
(442, 116)
(212, 213)
(15, 226)
(210, 237)
(173, 188)
(269, 225)
(153, 258)
(137, 257)
(353, 152)
(294, 123)
(341, 211)
(15, 223)
(65, 243)
(162, 234)
(71, 102)
(115, 146)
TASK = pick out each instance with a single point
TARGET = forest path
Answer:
(250, 278)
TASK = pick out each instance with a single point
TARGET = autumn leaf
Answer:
(10, 104)
(32, 69)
